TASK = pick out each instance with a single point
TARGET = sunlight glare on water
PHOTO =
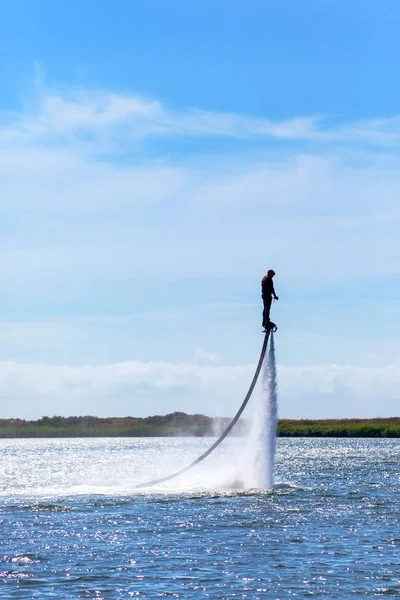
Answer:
(73, 526)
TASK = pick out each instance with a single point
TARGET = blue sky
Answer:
(156, 159)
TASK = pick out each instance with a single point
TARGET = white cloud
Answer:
(204, 357)
(138, 389)
(340, 390)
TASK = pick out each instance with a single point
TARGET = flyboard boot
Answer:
(270, 327)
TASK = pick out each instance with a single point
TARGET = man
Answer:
(267, 292)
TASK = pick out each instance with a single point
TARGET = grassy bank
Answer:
(179, 424)
(372, 428)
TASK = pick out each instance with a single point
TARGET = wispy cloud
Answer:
(54, 115)
(58, 115)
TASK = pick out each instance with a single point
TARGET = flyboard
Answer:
(271, 327)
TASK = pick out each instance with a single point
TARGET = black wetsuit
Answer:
(267, 291)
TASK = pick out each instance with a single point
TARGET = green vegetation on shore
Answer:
(371, 428)
(180, 424)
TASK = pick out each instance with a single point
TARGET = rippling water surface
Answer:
(72, 524)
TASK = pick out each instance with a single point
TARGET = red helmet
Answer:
(271, 273)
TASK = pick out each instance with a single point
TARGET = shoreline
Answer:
(180, 424)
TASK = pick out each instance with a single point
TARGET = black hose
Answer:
(227, 430)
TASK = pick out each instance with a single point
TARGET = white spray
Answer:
(259, 470)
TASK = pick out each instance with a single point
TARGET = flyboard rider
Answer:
(267, 293)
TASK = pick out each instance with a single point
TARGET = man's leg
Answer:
(266, 311)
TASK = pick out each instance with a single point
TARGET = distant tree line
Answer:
(173, 424)
(181, 424)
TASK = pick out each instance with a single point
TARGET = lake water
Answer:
(72, 524)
